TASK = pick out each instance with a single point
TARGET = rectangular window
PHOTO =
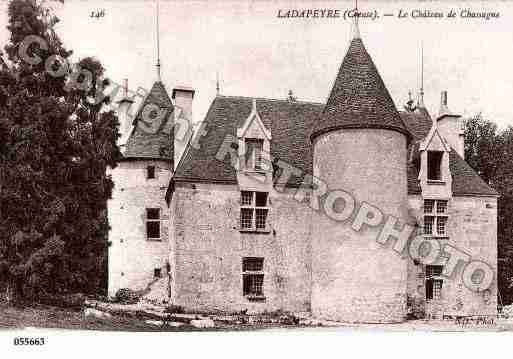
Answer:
(254, 151)
(428, 224)
(246, 218)
(150, 172)
(441, 223)
(153, 224)
(246, 198)
(429, 205)
(261, 218)
(441, 207)
(157, 273)
(260, 199)
(254, 210)
(435, 165)
(434, 289)
(435, 217)
(253, 278)
(434, 270)
(253, 264)
(434, 282)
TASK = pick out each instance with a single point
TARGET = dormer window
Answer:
(254, 151)
(254, 140)
(434, 165)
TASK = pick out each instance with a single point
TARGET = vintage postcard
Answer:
(226, 166)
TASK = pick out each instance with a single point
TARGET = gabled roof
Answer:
(155, 143)
(465, 181)
(290, 123)
(254, 117)
(359, 98)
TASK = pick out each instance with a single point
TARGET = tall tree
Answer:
(490, 153)
(56, 139)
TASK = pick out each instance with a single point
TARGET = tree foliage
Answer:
(56, 141)
(490, 152)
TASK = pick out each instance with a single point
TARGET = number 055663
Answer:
(29, 341)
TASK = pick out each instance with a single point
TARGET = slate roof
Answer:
(359, 98)
(155, 142)
(290, 124)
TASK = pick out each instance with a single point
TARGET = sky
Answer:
(258, 54)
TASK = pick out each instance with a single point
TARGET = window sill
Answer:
(253, 171)
(432, 237)
(154, 239)
(252, 230)
(255, 298)
(434, 301)
(436, 182)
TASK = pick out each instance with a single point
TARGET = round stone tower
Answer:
(360, 146)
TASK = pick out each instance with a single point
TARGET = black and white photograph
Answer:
(234, 172)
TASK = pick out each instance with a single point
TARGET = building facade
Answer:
(287, 205)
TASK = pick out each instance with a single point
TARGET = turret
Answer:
(360, 147)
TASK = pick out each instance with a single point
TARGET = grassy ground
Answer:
(51, 317)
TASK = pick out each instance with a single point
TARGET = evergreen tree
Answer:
(56, 141)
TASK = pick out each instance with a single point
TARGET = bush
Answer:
(127, 296)
(67, 301)
(175, 309)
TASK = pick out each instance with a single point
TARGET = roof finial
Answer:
(218, 89)
(421, 94)
(410, 107)
(291, 97)
(158, 44)
(356, 29)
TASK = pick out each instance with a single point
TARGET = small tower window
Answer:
(150, 172)
(435, 165)
(153, 224)
(157, 273)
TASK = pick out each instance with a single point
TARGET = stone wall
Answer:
(355, 279)
(208, 249)
(472, 228)
(133, 258)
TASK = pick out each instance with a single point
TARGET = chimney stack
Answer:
(444, 110)
(450, 126)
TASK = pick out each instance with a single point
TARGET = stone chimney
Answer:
(123, 112)
(183, 125)
(450, 126)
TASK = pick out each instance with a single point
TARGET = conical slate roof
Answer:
(359, 98)
(152, 137)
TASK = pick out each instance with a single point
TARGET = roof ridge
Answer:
(272, 99)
